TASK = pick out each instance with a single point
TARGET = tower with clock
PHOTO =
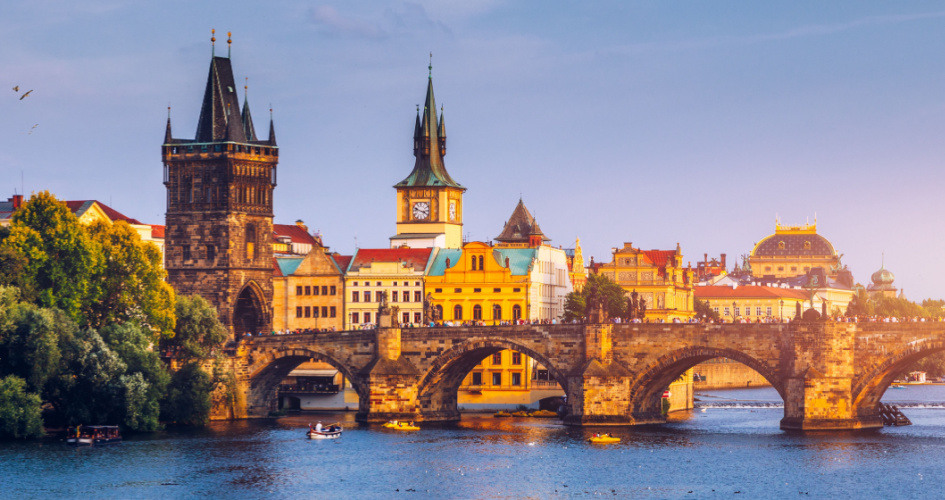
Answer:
(429, 201)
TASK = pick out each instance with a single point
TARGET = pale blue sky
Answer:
(651, 122)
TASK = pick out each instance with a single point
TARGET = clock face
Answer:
(452, 210)
(421, 210)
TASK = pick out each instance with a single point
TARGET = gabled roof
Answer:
(429, 170)
(520, 225)
(294, 232)
(157, 231)
(411, 257)
(520, 259)
(288, 265)
(342, 261)
(659, 258)
(79, 207)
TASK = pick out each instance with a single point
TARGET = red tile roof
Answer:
(294, 232)
(78, 207)
(415, 257)
(748, 292)
(659, 258)
(342, 261)
(157, 231)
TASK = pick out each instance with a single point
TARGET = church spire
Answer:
(167, 133)
(219, 113)
(441, 132)
(272, 130)
(417, 133)
(247, 117)
(429, 146)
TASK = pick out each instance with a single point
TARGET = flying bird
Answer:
(16, 89)
(26, 94)
(31, 129)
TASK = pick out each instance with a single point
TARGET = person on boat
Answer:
(318, 427)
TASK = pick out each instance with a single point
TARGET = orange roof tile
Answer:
(294, 232)
(415, 257)
(748, 292)
(157, 231)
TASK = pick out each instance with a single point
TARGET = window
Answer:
(480, 262)
(727, 311)
(516, 358)
(415, 283)
(406, 296)
(355, 318)
(438, 290)
(298, 290)
(324, 311)
(458, 312)
(394, 297)
(806, 245)
(417, 297)
(793, 268)
(516, 312)
(406, 317)
(355, 283)
(476, 378)
(497, 358)
(367, 297)
(473, 263)
(250, 242)
(516, 379)
(437, 313)
(477, 290)
(298, 312)
(496, 311)
(308, 312)
(715, 309)
(748, 311)
(378, 283)
(768, 311)
(325, 290)
(185, 253)
(780, 268)
(767, 268)
(333, 311)
(315, 312)
(758, 311)
(417, 317)
(367, 317)
(211, 253)
(738, 311)
(477, 311)
(497, 378)
(780, 245)
(333, 290)
(497, 290)
(516, 290)
(355, 296)
(457, 290)
(315, 290)
(308, 290)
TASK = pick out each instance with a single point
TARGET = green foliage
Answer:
(60, 257)
(198, 332)
(29, 338)
(145, 379)
(20, 410)
(703, 310)
(13, 270)
(934, 308)
(599, 288)
(188, 396)
(90, 390)
(129, 283)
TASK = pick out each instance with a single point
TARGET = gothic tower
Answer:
(429, 201)
(218, 238)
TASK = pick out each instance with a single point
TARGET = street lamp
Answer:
(733, 311)
(781, 313)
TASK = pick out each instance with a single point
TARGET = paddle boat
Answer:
(603, 439)
(93, 435)
(521, 414)
(502, 414)
(404, 426)
(332, 431)
(544, 414)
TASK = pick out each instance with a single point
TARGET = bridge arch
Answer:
(439, 386)
(868, 389)
(249, 312)
(268, 371)
(646, 389)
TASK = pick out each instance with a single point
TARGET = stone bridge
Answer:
(830, 375)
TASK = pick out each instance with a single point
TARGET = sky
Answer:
(655, 123)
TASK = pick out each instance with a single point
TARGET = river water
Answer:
(734, 447)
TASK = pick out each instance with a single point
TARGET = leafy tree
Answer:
(188, 396)
(13, 270)
(860, 305)
(129, 283)
(198, 332)
(935, 308)
(20, 410)
(29, 346)
(90, 389)
(60, 257)
(703, 310)
(145, 379)
(599, 287)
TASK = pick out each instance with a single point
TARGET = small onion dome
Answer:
(883, 277)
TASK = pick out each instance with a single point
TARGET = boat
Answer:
(603, 439)
(332, 431)
(500, 414)
(93, 435)
(405, 426)
(521, 414)
(897, 386)
(544, 414)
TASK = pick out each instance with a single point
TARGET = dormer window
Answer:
(806, 245)
(780, 245)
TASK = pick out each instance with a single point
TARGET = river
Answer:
(734, 447)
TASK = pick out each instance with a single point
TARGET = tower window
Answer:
(250, 242)
(211, 253)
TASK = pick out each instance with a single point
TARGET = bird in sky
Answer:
(16, 89)
(26, 94)
(31, 129)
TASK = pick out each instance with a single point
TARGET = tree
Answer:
(60, 257)
(145, 379)
(599, 288)
(29, 340)
(198, 332)
(703, 310)
(20, 410)
(129, 282)
(188, 396)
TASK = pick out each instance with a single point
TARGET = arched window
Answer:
(480, 263)
(473, 263)
(250, 242)
(438, 313)
(477, 311)
(458, 312)
(516, 312)
(496, 312)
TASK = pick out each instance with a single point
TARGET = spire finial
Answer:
(229, 43)
(168, 111)
(418, 109)
(246, 89)
(430, 67)
(213, 42)
(270, 111)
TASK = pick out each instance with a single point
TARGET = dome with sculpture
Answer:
(793, 251)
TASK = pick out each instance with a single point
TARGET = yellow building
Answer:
(792, 251)
(308, 292)
(753, 303)
(576, 270)
(479, 282)
(429, 201)
(398, 272)
(505, 380)
(657, 276)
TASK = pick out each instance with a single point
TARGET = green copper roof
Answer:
(438, 268)
(520, 259)
(289, 265)
(430, 142)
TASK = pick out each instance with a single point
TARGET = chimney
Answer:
(723, 261)
(17, 201)
(301, 225)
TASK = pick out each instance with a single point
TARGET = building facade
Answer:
(792, 251)
(657, 276)
(308, 292)
(396, 272)
(754, 303)
(218, 235)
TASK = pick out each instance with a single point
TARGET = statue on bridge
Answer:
(383, 307)
(428, 311)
